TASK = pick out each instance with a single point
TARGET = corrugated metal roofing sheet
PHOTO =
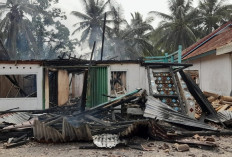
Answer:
(72, 130)
(15, 118)
(225, 116)
(216, 40)
(97, 86)
(161, 111)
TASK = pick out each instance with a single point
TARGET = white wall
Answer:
(78, 85)
(215, 73)
(136, 76)
(231, 73)
(23, 103)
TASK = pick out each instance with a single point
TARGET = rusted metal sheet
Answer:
(46, 133)
(73, 130)
(133, 128)
(149, 127)
(70, 131)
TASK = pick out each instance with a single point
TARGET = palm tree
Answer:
(130, 41)
(115, 45)
(213, 13)
(92, 20)
(15, 26)
(176, 28)
(138, 33)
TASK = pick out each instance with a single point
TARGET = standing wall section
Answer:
(136, 76)
(25, 103)
(215, 73)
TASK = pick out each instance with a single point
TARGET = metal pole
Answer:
(103, 36)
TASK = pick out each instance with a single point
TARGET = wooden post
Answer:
(73, 85)
(84, 91)
(63, 87)
(86, 78)
(103, 37)
(46, 87)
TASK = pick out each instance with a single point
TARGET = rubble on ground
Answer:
(113, 123)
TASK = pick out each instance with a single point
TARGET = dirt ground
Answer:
(72, 150)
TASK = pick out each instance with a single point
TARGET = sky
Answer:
(128, 6)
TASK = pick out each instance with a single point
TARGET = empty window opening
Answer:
(194, 75)
(18, 86)
(118, 83)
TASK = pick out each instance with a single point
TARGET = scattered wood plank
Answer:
(12, 145)
(225, 102)
(216, 104)
(211, 99)
(224, 107)
(97, 120)
(230, 109)
(197, 143)
(218, 108)
(208, 94)
(13, 142)
(197, 116)
(226, 98)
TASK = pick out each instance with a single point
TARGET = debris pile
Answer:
(223, 106)
(219, 102)
(116, 122)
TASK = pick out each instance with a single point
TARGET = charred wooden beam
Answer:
(203, 133)
(199, 96)
(174, 77)
(97, 120)
(86, 77)
(12, 145)
(84, 91)
(103, 36)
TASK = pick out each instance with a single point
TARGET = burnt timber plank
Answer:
(177, 91)
(165, 96)
(199, 96)
(97, 120)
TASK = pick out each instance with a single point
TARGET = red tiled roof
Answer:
(219, 40)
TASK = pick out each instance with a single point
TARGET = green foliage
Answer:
(16, 25)
(92, 20)
(186, 24)
(212, 14)
(26, 29)
(176, 28)
(132, 41)
(126, 41)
